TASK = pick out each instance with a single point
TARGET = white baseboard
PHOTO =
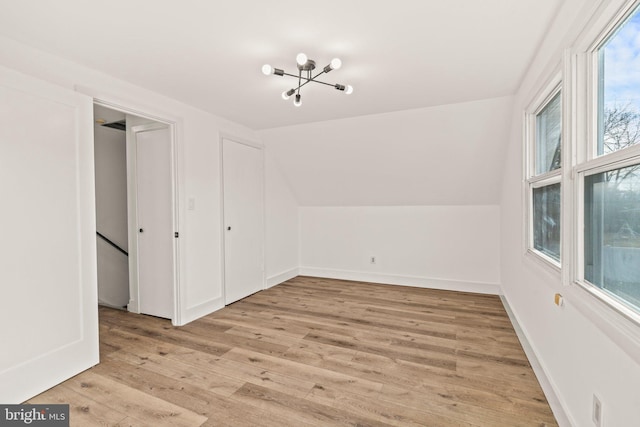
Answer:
(547, 384)
(282, 277)
(418, 282)
(116, 307)
(133, 306)
(197, 311)
(208, 307)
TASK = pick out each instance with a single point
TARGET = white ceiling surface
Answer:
(436, 156)
(398, 55)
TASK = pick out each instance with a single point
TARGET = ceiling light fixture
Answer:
(306, 66)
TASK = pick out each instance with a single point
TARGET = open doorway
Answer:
(135, 206)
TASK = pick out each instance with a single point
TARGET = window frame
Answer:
(583, 172)
(541, 100)
(586, 68)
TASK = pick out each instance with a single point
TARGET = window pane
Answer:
(619, 88)
(548, 136)
(612, 233)
(546, 220)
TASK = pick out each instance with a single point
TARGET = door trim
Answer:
(132, 217)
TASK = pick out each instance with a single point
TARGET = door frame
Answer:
(261, 147)
(173, 126)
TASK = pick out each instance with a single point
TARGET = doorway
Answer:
(135, 212)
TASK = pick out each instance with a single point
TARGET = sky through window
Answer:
(622, 66)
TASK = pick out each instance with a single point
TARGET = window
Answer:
(548, 136)
(585, 209)
(619, 88)
(612, 233)
(609, 173)
(545, 145)
(546, 220)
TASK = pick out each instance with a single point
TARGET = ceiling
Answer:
(397, 55)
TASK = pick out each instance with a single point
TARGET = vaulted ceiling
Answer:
(398, 55)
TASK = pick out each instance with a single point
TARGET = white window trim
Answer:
(583, 66)
(569, 131)
(594, 167)
(531, 181)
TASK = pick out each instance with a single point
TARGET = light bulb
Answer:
(298, 101)
(287, 93)
(336, 63)
(267, 69)
(348, 90)
(301, 59)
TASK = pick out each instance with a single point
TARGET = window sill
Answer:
(549, 264)
(611, 303)
(620, 328)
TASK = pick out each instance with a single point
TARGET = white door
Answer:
(155, 230)
(243, 220)
(48, 278)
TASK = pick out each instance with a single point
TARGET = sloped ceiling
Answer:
(398, 55)
(444, 155)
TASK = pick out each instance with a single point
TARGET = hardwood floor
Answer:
(313, 352)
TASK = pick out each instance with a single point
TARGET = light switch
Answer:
(192, 203)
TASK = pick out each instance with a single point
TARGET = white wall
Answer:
(582, 348)
(113, 276)
(198, 161)
(445, 247)
(418, 189)
(111, 183)
(111, 213)
(282, 236)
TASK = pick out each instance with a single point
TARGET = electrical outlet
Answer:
(597, 411)
(373, 260)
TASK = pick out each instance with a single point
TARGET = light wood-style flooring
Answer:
(315, 352)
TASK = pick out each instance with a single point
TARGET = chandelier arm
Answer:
(314, 81)
(299, 76)
(307, 80)
(314, 77)
(323, 83)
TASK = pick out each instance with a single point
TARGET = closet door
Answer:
(48, 291)
(243, 220)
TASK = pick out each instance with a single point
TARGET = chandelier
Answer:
(304, 76)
